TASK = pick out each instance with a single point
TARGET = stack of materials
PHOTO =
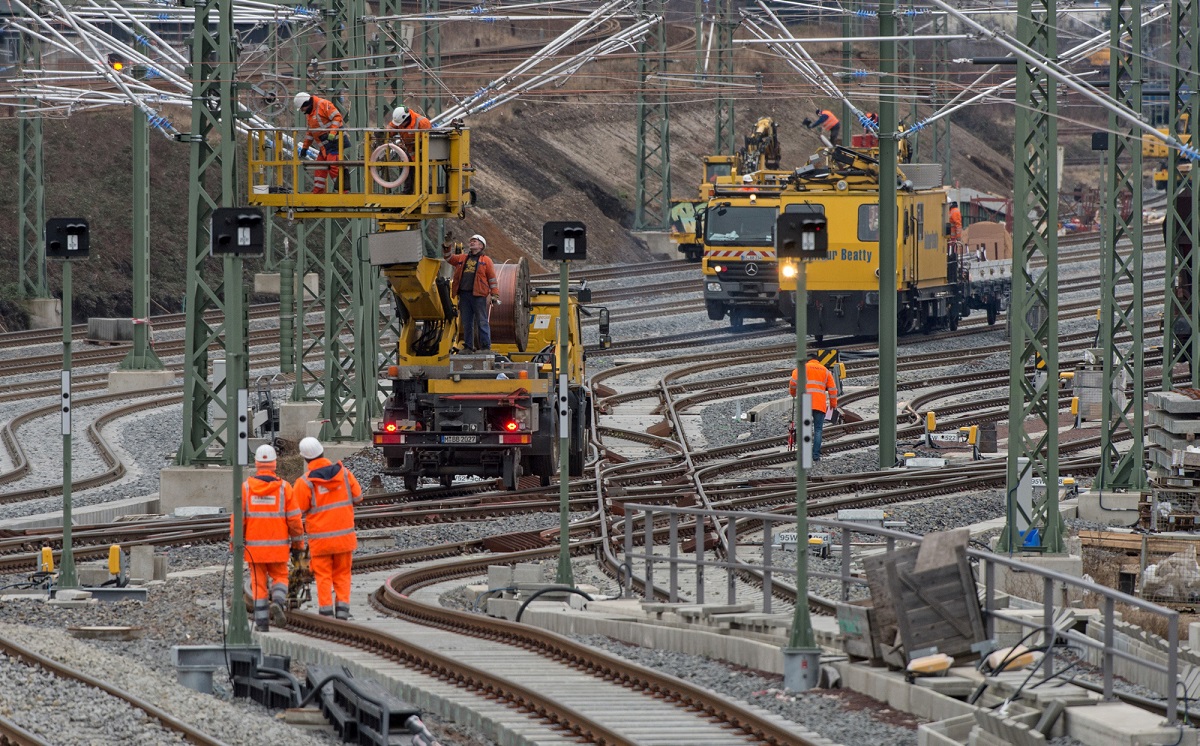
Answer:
(1173, 422)
(1089, 387)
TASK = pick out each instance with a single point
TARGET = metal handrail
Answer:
(1050, 579)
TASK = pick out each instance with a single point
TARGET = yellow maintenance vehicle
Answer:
(932, 279)
(450, 411)
(717, 169)
(737, 230)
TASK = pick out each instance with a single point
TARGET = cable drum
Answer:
(510, 319)
(389, 152)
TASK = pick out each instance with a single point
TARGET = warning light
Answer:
(116, 61)
(511, 426)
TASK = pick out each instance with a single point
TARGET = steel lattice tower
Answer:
(1181, 342)
(31, 190)
(343, 312)
(211, 185)
(431, 105)
(653, 197)
(723, 28)
(1121, 264)
(939, 129)
(1033, 312)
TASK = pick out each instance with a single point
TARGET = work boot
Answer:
(343, 611)
(262, 627)
(278, 615)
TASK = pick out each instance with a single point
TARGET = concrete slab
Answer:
(294, 417)
(88, 514)
(1119, 724)
(1173, 402)
(1109, 508)
(121, 381)
(190, 486)
(338, 451)
(44, 313)
(1030, 586)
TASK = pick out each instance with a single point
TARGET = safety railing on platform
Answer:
(402, 176)
(682, 522)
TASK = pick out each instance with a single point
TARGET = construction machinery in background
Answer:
(682, 231)
(736, 231)
(932, 279)
(450, 411)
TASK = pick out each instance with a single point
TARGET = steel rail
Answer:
(61, 670)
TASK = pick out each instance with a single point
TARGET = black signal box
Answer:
(66, 238)
(564, 240)
(238, 230)
(801, 235)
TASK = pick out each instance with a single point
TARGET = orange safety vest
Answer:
(326, 496)
(324, 119)
(819, 383)
(830, 120)
(271, 520)
(413, 121)
(485, 276)
(955, 224)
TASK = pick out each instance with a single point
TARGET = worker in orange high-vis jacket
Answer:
(324, 125)
(827, 121)
(270, 523)
(821, 386)
(326, 496)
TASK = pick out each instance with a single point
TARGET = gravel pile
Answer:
(67, 711)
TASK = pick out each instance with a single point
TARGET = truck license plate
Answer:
(460, 438)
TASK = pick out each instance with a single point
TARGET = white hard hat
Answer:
(399, 114)
(311, 448)
(480, 239)
(301, 99)
(264, 454)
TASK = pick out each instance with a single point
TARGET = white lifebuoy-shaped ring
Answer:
(382, 152)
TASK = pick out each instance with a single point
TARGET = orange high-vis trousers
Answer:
(274, 573)
(332, 572)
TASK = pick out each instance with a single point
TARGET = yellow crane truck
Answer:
(449, 412)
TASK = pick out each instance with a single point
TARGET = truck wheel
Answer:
(993, 309)
(576, 458)
(510, 475)
(410, 482)
(543, 468)
(716, 311)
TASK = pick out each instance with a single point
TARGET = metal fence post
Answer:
(767, 584)
(989, 604)
(1107, 661)
(1173, 668)
(673, 538)
(731, 561)
(845, 566)
(628, 555)
(1048, 620)
(648, 545)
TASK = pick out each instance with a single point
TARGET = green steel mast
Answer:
(1033, 312)
(1121, 263)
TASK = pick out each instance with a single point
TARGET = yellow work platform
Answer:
(380, 180)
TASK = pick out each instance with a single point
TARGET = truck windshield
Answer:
(740, 226)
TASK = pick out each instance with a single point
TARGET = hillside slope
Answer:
(560, 155)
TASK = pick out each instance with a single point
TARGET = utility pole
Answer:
(888, 311)
(142, 356)
(722, 31)
(31, 189)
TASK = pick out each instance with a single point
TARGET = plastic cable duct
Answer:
(510, 319)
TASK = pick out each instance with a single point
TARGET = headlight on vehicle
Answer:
(788, 270)
(714, 287)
